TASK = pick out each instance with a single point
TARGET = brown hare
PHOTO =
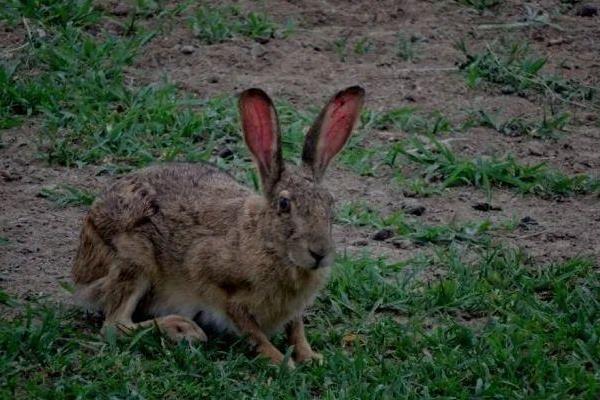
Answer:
(187, 246)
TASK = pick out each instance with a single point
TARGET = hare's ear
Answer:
(261, 133)
(331, 130)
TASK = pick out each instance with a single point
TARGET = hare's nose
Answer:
(318, 257)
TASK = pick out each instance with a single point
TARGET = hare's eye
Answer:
(284, 204)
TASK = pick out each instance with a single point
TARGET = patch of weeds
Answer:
(549, 127)
(68, 196)
(66, 66)
(4, 241)
(409, 120)
(343, 48)
(486, 172)
(17, 98)
(135, 127)
(294, 125)
(510, 225)
(363, 46)
(512, 66)
(340, 47)
(360, 214)
(48, 13)
(219, 24)
(417, 187)
(406, 47)
(150, 8)
(480, 5)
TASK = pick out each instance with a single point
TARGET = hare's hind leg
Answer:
(128, 281)
(121, 302)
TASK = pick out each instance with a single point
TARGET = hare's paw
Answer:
(307, 355)
(178, 329)
(267, 350)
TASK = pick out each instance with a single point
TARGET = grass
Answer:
(490, 326)
(410, 120)
(487, 172)
(343, 47)
(66, 195)
(480, 5)
(518, 70)
(50, 13)
(550, 127)
(359, 214)
(219, 24)
(406, 47)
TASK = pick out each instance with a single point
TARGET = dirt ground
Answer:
(304, 69)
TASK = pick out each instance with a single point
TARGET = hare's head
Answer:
(300, 211)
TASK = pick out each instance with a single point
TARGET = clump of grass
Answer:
(480, 5)
(363, 46)
(487, 172)
(549, 127)
(340, 48)
(409, 120)
(417, 187)
(343, 47)
(360, 214)
(406, 47)
(514, 67)
(50, 13)
(18, 99)
(218, 24)
(68, 196)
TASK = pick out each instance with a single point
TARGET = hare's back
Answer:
(199, 181)
(177, 196)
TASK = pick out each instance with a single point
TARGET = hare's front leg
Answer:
(246, 324)
(296, 337)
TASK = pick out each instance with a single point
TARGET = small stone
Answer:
(383, 234)
(360, 243)
(213, 79)
(402, 243)
(536, 149)
(483, 206)
(508, 89)
(387, 136)
(225, 152)
(417, 210)
(120, 9)
(9, 177)
(258, 50)
(556, 42)
(527, 222)
(187, 49)
(587, 10)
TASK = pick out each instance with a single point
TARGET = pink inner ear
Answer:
(259, 129)
(338, 124)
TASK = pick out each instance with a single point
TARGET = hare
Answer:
(186, 246)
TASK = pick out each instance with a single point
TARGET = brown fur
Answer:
(172, 241)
